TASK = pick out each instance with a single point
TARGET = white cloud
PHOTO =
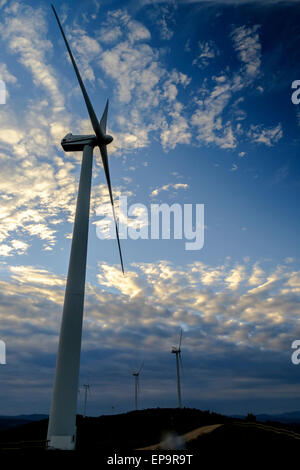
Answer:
(208, 117)
(110, 35)
(140, 313)
(165, 31)
(120, 24)
(212, 127)
(19, 246)
(178, 131)
(85, 49)
(24, 31)
(247, 44)
(143, 84)
(113, 277)
(236, 276)
(230, 2)
(16, 247)
(11, 136)
(167, 187)
(37, 276)
(35, 194)
(165, 20)
(268, 136)
(257, 276)
(207, 52)
(5, 250)
(134, 68)
(6, 75)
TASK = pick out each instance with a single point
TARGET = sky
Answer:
(201, 113)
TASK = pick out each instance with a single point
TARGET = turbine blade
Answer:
(93, 117)
(180, 363)
(180, 338)
(104, 118)
(103, 152)
(141, 367)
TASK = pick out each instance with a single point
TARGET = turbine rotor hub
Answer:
(108, 139)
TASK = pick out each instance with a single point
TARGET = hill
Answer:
(7, 422)
(200, 433)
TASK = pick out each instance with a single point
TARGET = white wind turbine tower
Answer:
(137, 385)
(177, 352)
(62, 419)
(86, 390)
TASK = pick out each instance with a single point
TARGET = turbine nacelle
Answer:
(74, 143)
(137, 372)
(175, 350)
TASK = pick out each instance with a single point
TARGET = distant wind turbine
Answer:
(86, 390)
(62, 420)
(137, 385)
(177, 352)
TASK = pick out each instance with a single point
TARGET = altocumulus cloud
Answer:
(243, 312)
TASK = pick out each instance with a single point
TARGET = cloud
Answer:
(6, 76)
(236, 276)
(10, 136)
(227, 2)
(167, 187)
(178, 131)
(135, 68)
(207, 52)
(267, 136)
(164, 19)
(257, 276)
(85, 49)
(5, 250)
(139, 315)
(133, 30)
(208, 117)
(247, 44)
(24, 31)
(143, 84)
(37, 186)
(113, 277)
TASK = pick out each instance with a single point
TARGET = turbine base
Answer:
(62, 442)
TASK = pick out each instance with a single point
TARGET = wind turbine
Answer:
(137, 385)
(62, 420)
(86, 390)
(177, 352)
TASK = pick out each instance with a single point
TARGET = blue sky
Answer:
(201, 113)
